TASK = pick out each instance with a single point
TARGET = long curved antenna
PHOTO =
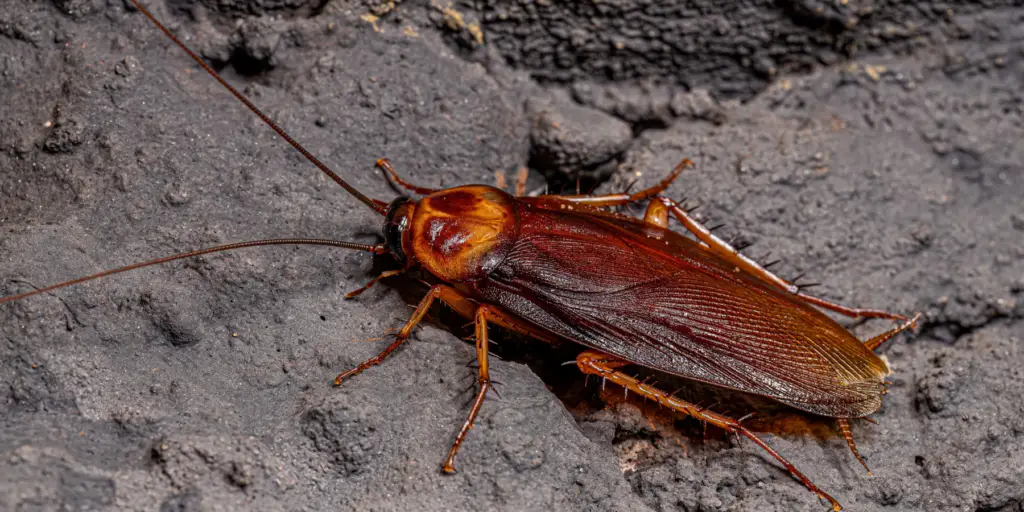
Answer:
(376, 249)
(376, 205)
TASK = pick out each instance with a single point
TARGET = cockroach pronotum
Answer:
(566, 268)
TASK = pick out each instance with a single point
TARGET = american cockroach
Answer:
(632, 291)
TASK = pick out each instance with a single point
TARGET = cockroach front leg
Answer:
(729, 253)
(384, 275)
(446, 294)
(522, 174)
(385, 165)
(519, 189)
(604, 366)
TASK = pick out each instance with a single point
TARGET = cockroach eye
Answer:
(395, 224)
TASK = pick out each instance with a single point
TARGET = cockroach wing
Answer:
(658, 299)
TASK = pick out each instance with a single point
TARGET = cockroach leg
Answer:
(657, 214)
(844, 427)
(848, 311)
(718, 246)
(496, 316)
(522, 174)
(620, 199)
(483, 315)
(519, 189)
(367, 286)
(877, 341)
(604, 366)
(375, 360)
(447, 294)
(390, 172)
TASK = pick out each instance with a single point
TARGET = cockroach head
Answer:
(397, 221)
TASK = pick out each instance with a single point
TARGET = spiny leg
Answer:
(385, 165)
(715, 244)
(844, 427)
(446, 294)
(367, 286)
(483, 379)
(604, 366)
(724, 250)
(507, 321)
(485, 315)
(620, 199)
(720, 247)
(876, 341)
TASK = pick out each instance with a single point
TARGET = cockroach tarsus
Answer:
(565, 268)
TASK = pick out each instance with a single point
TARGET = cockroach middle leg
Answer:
(620, 199)
(446, 294)
(604, 366)
(722, 248)
(389, 171)
(872, 344)
(484, 314)
(656, 214)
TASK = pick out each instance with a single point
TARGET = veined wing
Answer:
(656, 298)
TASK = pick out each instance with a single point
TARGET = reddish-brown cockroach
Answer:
(564, 268)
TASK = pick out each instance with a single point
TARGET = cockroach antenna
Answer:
(377, 206)
(377, 249)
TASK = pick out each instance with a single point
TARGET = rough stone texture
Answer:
(894, 178)
(732, 48)
(569, 139)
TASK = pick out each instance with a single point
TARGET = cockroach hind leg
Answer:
(718, 246)
(844, 428)
(876, 341)
(596, 363)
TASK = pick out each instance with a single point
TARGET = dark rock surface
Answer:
(876, 149)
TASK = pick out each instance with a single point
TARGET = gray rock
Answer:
(892, 177)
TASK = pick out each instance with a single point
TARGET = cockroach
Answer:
(632, 291)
